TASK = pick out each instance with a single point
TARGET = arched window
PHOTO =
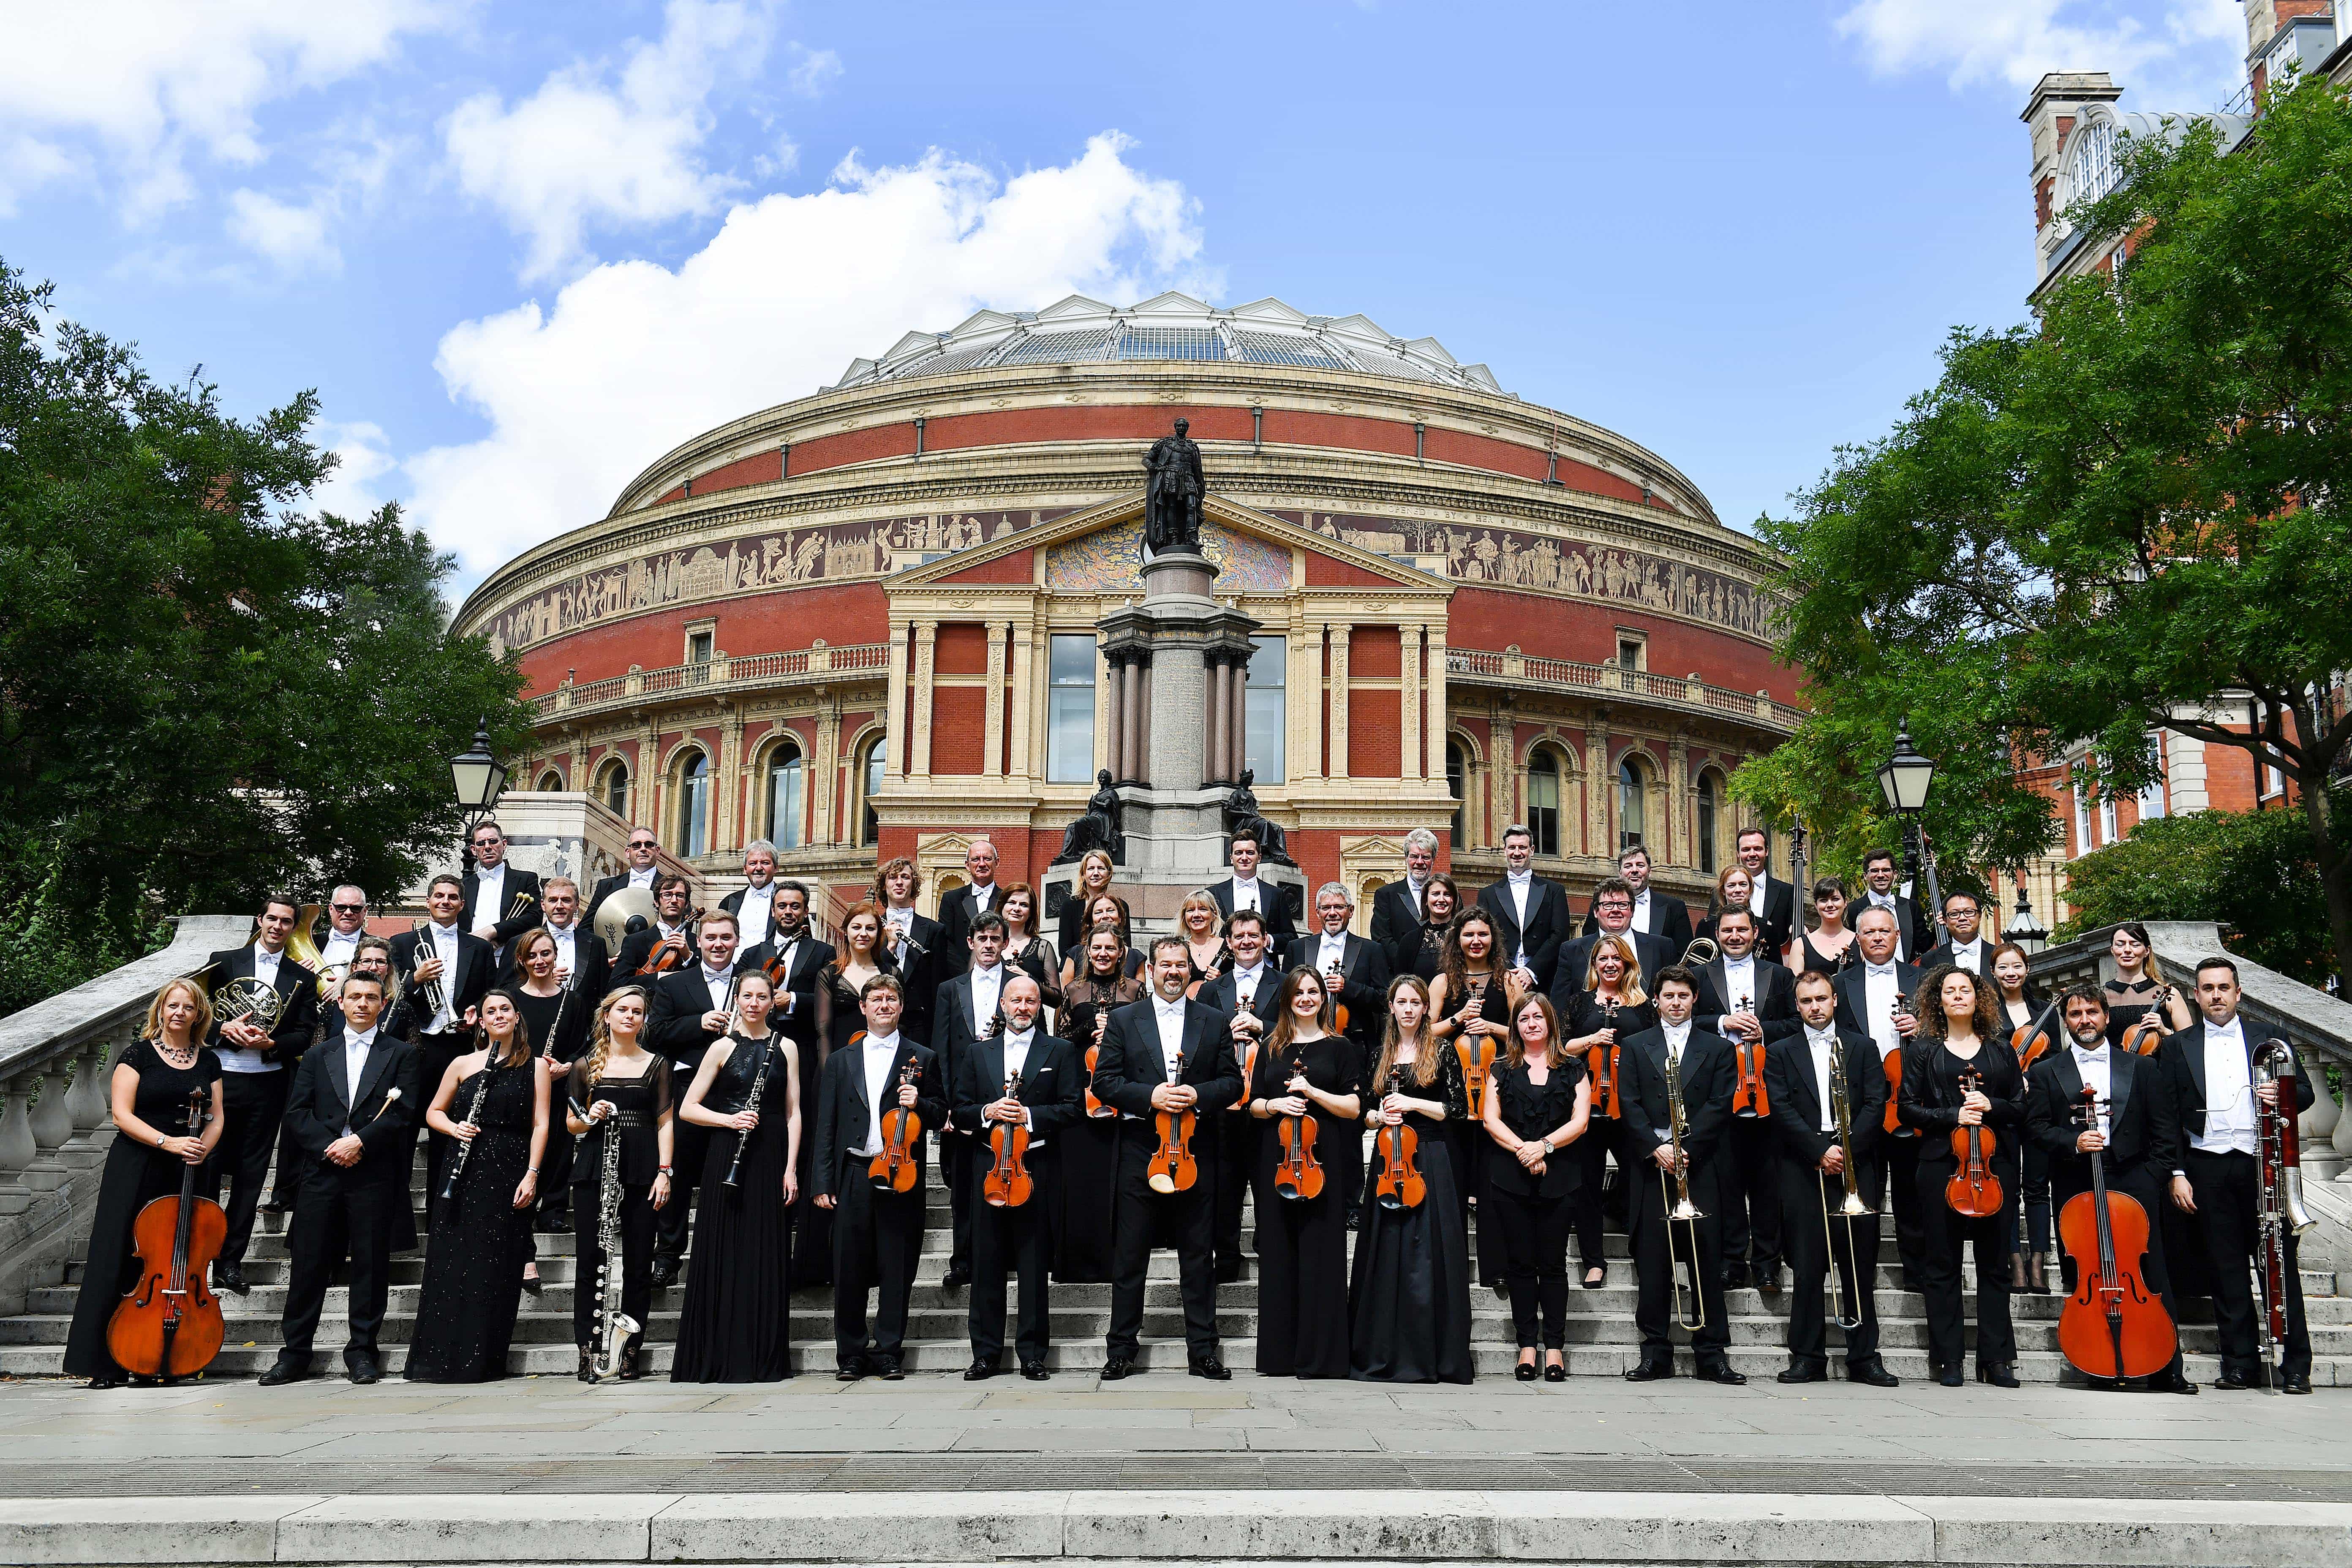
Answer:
(1543, 802)
(550, 783)
(786, 795)
(1703, 813)
(877, 764)
(613, 789)
(1632, 804)
(1457, 784)
(694, 806)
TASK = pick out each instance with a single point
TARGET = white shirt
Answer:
(981, 897)
(643, 878)
(1902, 933)
(232, 1057)
(566, 938)
(446, 948)
(265, 964)
(1642, 912)
(1823, 1044)
(355, 1054)
(1330, 951)
(1016, 1062)
(1970, 958)
(1245, 895)
(880, 1052)
(987, 985)
(340, 947)
(2228, 1092)
(1677, 1037)
(1246, 983)
(1739, 983)
(1759, 884)
(1520, 883)
(2096, 1066)
(1880, 994)
(1412, 886)
(752, 918)
(718, 982)
(784, 998)
(489, 893)
(1170, 1016)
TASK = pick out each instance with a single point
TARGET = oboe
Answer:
(759, 1085)
(473, 1120)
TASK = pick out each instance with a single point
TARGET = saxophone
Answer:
(614, 1326)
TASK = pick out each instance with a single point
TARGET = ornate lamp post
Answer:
(1905, 779)
(2022, 928)
(479, 779)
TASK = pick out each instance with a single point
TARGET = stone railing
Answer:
(734, 673)
(1510, 668)
(54, 1060)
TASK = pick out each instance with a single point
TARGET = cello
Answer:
(1007, 1184)
(894, 1169)
(169, 1323)
(1173, 1167)
(1974, 1192)
(2110, 1327)
(1297, 1174)
(1401, 1184)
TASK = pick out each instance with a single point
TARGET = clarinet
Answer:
(473, 1120)
(759, 1084)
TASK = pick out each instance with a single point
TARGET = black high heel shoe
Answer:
(1556, 1371)
(1998, 1375)
(1525, 1372)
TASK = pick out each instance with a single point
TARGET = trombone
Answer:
(1852, 1209)
(1680, 1211)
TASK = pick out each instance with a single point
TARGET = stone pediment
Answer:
(1096, 551)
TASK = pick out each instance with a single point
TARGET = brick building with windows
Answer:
(862, 623)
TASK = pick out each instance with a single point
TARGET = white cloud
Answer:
(581, 150)
(293, 239)
(817, 69)
(2189, 47)
(363, 457)
(136, 87)
(634, 357)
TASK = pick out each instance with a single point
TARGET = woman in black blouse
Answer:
(2139, 986)
(1542, 1105)
(1829, 948)
(1613, 1006)
(1441, 900)
(1082, 1243)
(1409, 1299)
(618, 1089)
(557, 1019)
(1094, 874)
(1027, 950)
(1304, 1069)
(1106, 909)
(2021, 1006)
(1470, 1003)
(155, 1079)
(1959, 1071)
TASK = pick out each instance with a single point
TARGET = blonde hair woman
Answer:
(618, 1090)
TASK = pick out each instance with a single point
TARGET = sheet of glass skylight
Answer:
(1170, 343)
(1389, 365)
(959, 359)
(1282, 349)
(1058, 348)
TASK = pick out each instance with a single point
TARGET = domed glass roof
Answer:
(1079, 331)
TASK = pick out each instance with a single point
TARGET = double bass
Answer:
(169, 1322)
(2111, 1327)
(1008, 1183)
(1297, 1174)
(1974, 1192)
(894, 1168)
(1401, 1184)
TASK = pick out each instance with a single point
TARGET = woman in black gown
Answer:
(1472, 999)
(1094, 875)
(557, 1022)
(2139, 988)
(1828, 948)
(1304, 1069)
(1440, 899)
(1539, 1111)
(480, 1239)
(736, 1326)
(1025, 949)
(1408, 1296)
(1611, 1006)
(622, 1089)
(154, 1080)
(2020, 1004)
(1082, 1241)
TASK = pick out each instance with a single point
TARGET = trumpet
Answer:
(1852, 1209)
(1680, 1211)
(433, 994)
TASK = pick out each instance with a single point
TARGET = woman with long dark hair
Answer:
(1111, 910)
(1082, 1243)
(2021, 1004)
(618, 1090)
(1024, 949)
(1092, 882)
(1611, 1007)
(1471, 1002)
(1409, 1296)
(1441, 900)
(1304, 1068)
(557, 1018)
(1541, 1107)
(480, 1239)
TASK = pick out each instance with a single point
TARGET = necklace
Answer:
(176, 1056)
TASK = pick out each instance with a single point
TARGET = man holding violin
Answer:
(1874, 998)
(1047, 1086)
(963, 1013)
(1229, 1136)
(1752, 1002)
(668, 934)
(692, 1008)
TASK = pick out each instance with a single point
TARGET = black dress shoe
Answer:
(1803, 1375)
(2233, 1381)
(103, 1382)
(1998, 1375)
(849, 1371)
(1735, 1275)
(665, 1272)
(551, 1223)
(1228, 1270)
(2173, 1382)
(1210, 1367)
(1650, 1371)
(229, 1276)
(1873, 1372)
(1117, 1367)
(1034, 1371)
(286, 1369)
(1768, 1276)
(1590, 1282)
(1951, 1377)
(979, 1370)
(273, 1204)
(1721, 1372)
(956, 1279)
(888, 1368)
(363, 1369)
(2294, 1382)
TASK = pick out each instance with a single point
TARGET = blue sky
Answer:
(522, 250)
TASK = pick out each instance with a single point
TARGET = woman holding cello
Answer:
(1964, 1092)
(1408, 1300)
(155, 1079)
(1538, 1112)
(1305, 1086)
(1611, 1006)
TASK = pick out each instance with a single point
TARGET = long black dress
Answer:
(1089, 1145)
(479, 1241)
(136, 1174)
(539, 1016)
(1302, 1243)
(1468, 1139)
(640, 1104)
(737, 1325)
(1408, 1300)
(1588, 1014)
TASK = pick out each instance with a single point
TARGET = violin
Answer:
(169, 1322)
(671, 952)
(1247, 1009)
(1007, 1184)
(1335, 980)
(2110, 1327)
(1172, 1168)
(1974, 1191)
(1748, 1098)
(1401, 1184)
(894, 1169)
(1095, 1107)
(1297, 1174)
(1602, 1064)
(2032, 1041)
(2148, 1030)
(1477, 1050)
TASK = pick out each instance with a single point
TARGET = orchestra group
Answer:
(1741, 1096)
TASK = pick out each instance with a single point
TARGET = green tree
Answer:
(204, 691)
(2250, 872)
(2128, 515)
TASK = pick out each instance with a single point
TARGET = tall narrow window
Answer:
(2151, 799)
(1543, 803)
(1457, 784)
(698, 646)
(2107, 831)
(616, 790)
(785, 796)
(1267, 715)
(2083, 844)
(1070, 709)
(877, 764)
(1702, 809)
(550, 783)
(1632, 808)
(694, 806)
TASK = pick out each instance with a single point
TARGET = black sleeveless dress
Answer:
(1089, 1145)
(479, 1241)
(1409, 1296)
(737, 1324)
(1468, 1136)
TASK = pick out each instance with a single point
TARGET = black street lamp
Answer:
(480, 779)
(1905, 779)
(2022, 928)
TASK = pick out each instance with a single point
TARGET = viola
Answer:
(1007, 1184)
(1973, 1191)
(1334, 981)
(1095, 1107)
(1894, 1066)
(2032, 1041)
(169, 1322)
(2148, 1030)
(1748, 1098)
(1173, 1167)
(894, 1169)
(2110, 1327)
(1602, 1064)
(1401, 1184)
(1297, 1174)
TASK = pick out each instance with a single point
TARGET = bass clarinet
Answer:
(614, 1326)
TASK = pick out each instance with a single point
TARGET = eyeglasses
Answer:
(488, 843)
(348, 908)
(642, 844)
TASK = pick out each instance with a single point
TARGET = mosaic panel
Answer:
(1105, 561)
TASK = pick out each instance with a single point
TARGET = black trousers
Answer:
(1140, 1215)
(877, 1238)
(340, 1215)
(1590, 1152)
(253, 1110)
(286, 1179)
(1231, 1166)
(673, 1222)
(1655, 1253)
(1535, 1260)
(1895, 1193)
(2069, 1178)
(959, 1167)
(1993, 1239)
(637, 1212)
(1813, 1255)
(434, 1052)
(1025, 1238)
(2226, 1187)
(1748, 1184)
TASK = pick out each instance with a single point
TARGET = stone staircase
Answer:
(1602, 1341)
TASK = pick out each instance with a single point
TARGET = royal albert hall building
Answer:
(861, 623)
